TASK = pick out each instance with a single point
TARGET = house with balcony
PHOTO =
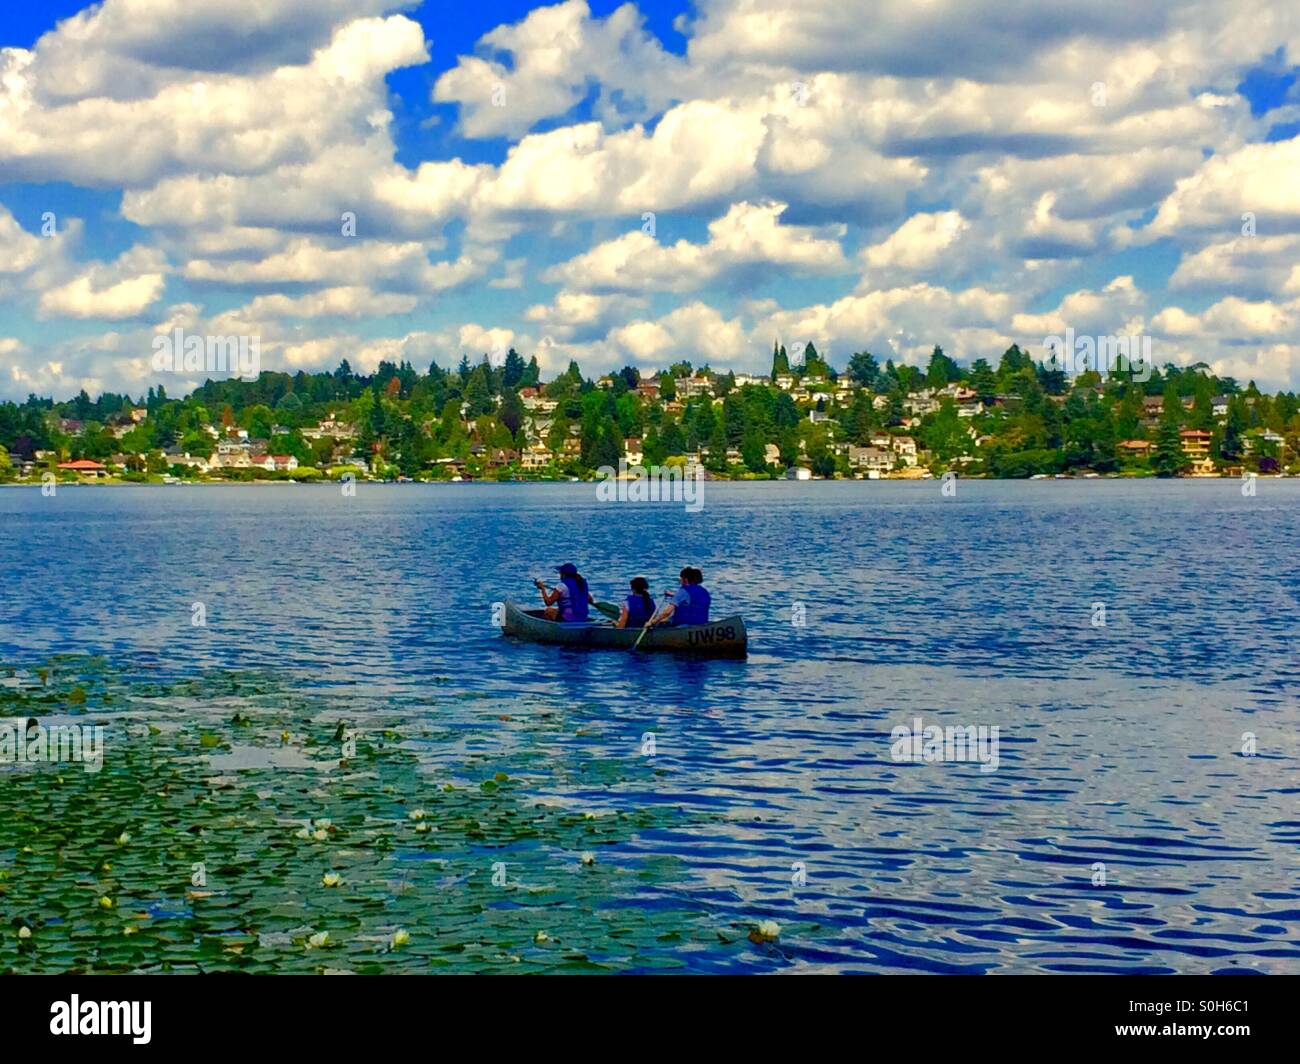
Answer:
(1195, 443)
(535, 456)
(872, 461)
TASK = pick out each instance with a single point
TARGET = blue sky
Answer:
(641, 183)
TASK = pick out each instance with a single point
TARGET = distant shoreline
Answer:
(565, 480)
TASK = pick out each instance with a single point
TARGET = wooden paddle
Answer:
(646, 627)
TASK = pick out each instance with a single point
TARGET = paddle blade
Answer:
(608, 609)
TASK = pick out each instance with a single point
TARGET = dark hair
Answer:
(693, 576)
(685, 574)
(642, 587)
(577, 578)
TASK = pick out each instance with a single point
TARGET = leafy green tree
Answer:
(673, 439)
(752, 450)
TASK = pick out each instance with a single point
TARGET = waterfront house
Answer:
(535, 457)
(1195, 443)
(189, 461)
(871, 460)
(238, 459)
(84, 467)
(905, 448)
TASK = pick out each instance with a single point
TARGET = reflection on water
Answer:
(1120, 745)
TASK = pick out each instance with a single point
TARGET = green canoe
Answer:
(723, 638)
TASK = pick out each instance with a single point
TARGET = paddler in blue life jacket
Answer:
(568, 600)
(689, 604)
(638, 607)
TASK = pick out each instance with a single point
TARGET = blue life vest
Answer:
(573, 604)
(697, 612)
(637, 614)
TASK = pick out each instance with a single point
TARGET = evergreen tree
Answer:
(1168, 460)
(863, 369)
(780, 360)
(513, 370)
(982, 381)
(942, 370)
(1232, 447)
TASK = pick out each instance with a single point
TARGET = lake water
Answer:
(1124, 829)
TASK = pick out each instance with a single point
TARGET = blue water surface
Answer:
(1129, 639)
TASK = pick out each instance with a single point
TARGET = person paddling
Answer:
(568, 600)
(638, 607)
(689, 604)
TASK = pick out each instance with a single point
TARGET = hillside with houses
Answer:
(803, 419)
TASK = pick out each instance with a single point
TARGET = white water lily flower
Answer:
(421, 827)
(768, 929)
(588, 857)
(400, 937)
(123, 838)
(417, 814)
(541, 936)
(24, 932)
(319, 940)
(324, 823)
(331, 879)
(105, 902)
(302, 833)
(320, 836)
